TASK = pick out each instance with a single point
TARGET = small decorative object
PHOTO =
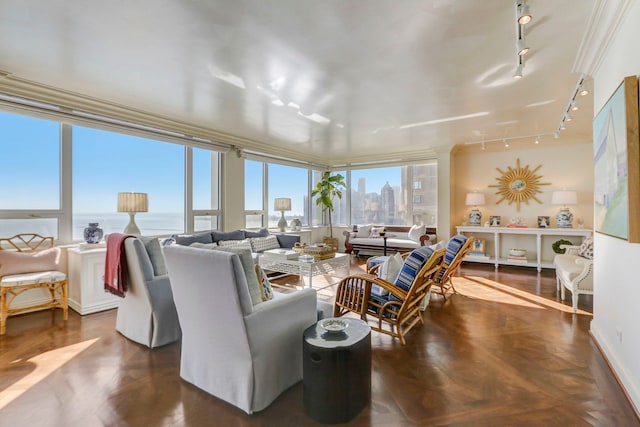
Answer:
(296, 224)
(495, 220)
(564, 217)
(382, 233)
(580, 222)
(477, 246)
(517, 252)
(519, 185)
(543, 221)
(556, 246)
(282, 204)
(464, 220)
(486, 223)
(333, 325)
(475, 200)
(93, 233)
(132, 203)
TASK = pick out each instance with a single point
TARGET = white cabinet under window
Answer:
(86, 281)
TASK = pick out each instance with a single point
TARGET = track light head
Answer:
(574, 105)
(563, 126)
(524, 16)
(521, 47)
(518, 73)
(537, 141)
(556, 134)
(582, 90)
(567, 117)
(484, 147)
(506, 144)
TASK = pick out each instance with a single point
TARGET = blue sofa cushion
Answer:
(188, 239)
(263, 232)
(228, 235)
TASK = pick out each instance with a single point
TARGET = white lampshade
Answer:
(475, 199)
(133, 202)
(564, 197)
(282, 204)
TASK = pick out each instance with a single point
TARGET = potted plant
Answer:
(328, 187)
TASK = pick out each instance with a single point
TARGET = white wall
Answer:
(616, 285)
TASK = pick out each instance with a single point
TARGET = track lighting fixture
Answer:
(521, 47)
(519, 67)
(562, 125)
(556, 134)
(484, 147)
(506, 144)
(524, 16)
(574, 105)
(537, 141)
(505, 141)
(582, 90)
(567, 117)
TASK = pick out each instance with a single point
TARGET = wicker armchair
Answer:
(397, 311)
(30, 261)
(457, 248)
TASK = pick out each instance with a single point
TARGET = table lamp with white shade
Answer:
(475, 199)
(564, 218)
(282, 204)
(132, 203)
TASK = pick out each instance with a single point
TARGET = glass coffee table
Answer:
(330, 266)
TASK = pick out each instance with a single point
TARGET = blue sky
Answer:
(105, 163)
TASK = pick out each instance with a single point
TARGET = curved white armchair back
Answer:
(147, 314)
(244, 354)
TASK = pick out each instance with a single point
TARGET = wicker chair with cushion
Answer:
(30, 261)
(394, 306)
(457, 248)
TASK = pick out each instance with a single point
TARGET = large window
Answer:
(290, 182)
(253, 193)
(380, 195)
(105, 163)
(30, 194)
(57, 178)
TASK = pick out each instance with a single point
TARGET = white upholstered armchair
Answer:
(574, 272)
(147, 314)
(242, 352)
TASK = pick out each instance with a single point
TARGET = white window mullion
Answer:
(65, 221)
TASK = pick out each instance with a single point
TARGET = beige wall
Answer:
(564, 165)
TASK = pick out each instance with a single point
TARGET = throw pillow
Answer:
(388, 271)
(152, 245)
(188, 239)
(263, 232)
(364, 231)
(416, 231)
(28, 262)
(203, 245)
(586, 248)
(265, 287)
(227, 235)
(244, 244)
(261, 244)
(439, 245)
(412, 266)
(375, 231)
(249, 271)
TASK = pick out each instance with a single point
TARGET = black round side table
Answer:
(336, 371)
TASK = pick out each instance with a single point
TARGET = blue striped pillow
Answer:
(412, 265)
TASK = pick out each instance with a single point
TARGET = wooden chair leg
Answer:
(3, 312)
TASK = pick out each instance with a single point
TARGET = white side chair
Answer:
(242, 353)
(574, 273)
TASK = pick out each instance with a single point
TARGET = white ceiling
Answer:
(395, 79)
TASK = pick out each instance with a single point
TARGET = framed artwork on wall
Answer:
(616, 164)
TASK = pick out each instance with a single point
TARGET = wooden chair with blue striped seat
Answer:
(457, 248)
(394, 306)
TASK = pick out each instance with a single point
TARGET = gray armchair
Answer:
(242, 353)
(147, 314)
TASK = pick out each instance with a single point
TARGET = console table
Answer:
(524, 238)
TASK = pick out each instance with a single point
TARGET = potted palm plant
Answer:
(328, 187)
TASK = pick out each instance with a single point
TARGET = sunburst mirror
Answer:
(518, 185)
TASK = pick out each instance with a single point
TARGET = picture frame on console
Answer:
(543, 222)
(494, 221)
(478, 245)
(617, 164)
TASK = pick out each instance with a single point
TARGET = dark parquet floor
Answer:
(503, 351)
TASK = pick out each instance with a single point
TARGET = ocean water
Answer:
(150, 224)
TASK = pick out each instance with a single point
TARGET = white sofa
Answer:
(242, 353)
(361, 239)
(575, 272)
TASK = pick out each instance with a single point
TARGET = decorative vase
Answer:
(93, 233)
